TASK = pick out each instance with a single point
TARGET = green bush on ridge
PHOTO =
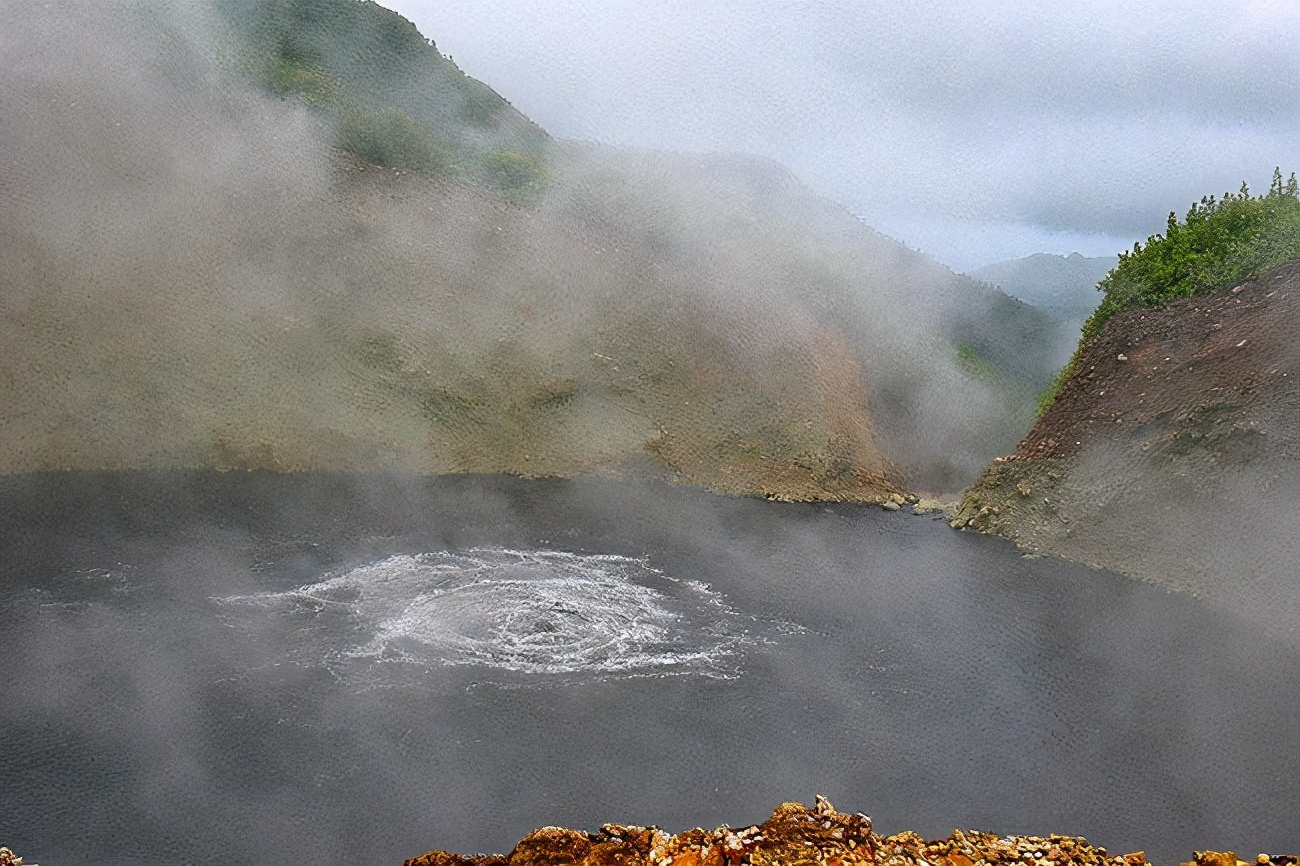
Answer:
(521, 177)
(1217, 245)
(391, 137)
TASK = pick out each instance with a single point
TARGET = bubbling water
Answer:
(531, 612)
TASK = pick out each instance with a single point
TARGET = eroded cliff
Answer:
(1172, 453)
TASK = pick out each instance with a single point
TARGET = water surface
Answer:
(210, 668)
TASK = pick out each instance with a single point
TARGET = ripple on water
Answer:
(530, 612)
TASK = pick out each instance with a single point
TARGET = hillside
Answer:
(1171, 452)
(290, 234)
(1063, 287)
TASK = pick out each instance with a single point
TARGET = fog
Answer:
(184, 684)
(260, 397)
(199, 278)
(976, 132)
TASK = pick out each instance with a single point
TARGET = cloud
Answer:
(1053, 120)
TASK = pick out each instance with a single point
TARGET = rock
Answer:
(890, 505)
(797, 834)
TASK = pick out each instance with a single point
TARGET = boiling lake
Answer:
(212, 668)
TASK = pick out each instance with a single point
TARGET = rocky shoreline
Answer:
(797, 834)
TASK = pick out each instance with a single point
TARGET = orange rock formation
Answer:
(796, 835)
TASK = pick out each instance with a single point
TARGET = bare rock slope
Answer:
(1172, 454)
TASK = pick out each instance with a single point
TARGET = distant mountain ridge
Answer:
(1064, 286)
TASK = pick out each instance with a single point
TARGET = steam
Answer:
(256, 665)
(531, 612)
(195, 278)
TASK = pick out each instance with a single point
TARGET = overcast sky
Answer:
(978, 133)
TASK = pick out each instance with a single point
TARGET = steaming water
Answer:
(321, 669)
(534, 612)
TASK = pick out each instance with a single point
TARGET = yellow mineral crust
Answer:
(797, 835)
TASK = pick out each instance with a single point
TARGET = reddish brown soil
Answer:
(799, 836)
(1229, 354)
(1172, 453)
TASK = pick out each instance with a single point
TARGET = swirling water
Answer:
(542, 612)
(203, 668)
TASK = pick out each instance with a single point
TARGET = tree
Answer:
(1217, 245)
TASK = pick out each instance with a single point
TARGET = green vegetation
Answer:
(290, 76)
(1219, 244)
(480, 104)
(1045, 400)
(391, 137)
(390, 96)
(521, 177)
(973, 363)
(514, 171)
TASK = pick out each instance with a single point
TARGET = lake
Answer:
(316, 668)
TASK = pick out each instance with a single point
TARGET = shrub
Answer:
(514, 171)
(522, 177)
(1220, 243)
(973, 363)
(290, 77)
(391, 137)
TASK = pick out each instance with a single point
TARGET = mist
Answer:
(976, 132)
(351, 507)
(201, 279)
(176, 706)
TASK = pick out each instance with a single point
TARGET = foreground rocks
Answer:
(9, 858)
(796, 834)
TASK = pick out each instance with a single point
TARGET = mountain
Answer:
(1063, 287)
(291, 235)
(1171, 452)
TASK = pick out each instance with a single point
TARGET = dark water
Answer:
(321, 669)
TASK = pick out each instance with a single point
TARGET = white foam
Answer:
(532, 612)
